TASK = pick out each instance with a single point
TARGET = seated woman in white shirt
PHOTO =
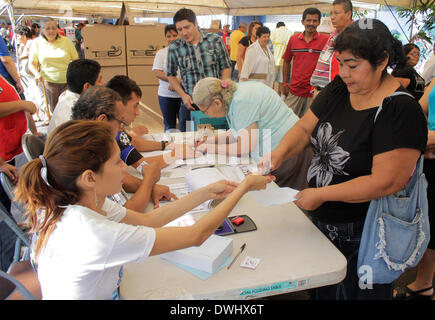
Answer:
(259, 64)
(84, 238)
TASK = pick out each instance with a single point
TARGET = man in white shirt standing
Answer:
(279, 38)
(81, 74)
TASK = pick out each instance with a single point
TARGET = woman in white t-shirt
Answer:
(169, 99)
(84, 239)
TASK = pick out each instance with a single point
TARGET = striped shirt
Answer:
(305, 57)
(323, 73)
(205, 59)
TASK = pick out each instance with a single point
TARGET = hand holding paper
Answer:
(257, 182)
(309, 199)
(269, 162)
(274, 196)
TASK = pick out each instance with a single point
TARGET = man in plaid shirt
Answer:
(197, 54)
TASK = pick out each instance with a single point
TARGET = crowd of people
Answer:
(321, 131)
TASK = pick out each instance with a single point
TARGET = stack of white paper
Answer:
(207, 257)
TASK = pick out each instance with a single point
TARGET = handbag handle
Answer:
(397, 93)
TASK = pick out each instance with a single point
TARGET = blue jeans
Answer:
(346, 237)
(234, 72)
(183, 117)
(170, 110)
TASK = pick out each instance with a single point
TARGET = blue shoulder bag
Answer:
(396, 230)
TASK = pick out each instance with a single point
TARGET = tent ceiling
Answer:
(161, 8)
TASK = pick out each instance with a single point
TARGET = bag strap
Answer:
(419, 166)
(396, 93)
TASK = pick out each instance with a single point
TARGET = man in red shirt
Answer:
(225, 34)
(304, 49)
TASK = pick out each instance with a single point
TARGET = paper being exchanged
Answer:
(274, 196)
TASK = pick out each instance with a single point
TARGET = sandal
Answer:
(414, 295)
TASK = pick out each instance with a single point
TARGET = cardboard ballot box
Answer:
(143, 75)
(143, 42)
(105, 43)
(111, 71)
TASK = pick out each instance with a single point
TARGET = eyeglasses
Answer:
(415, 54)
(122, 123)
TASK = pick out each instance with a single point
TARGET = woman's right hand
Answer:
(269, 162)
(257, 182)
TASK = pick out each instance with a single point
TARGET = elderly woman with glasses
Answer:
(258, 119)
(407, 75)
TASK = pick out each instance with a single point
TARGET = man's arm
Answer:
(224, 60)
(285, 75)
(12, 70)
(187, 99)
(143, 145)
(226, 74)
(287, 58)
(142, 188)
(171, 72)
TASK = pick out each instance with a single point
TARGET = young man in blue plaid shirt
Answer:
(197, 54)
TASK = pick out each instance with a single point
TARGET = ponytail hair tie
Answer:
(44, 170)
(225, 84)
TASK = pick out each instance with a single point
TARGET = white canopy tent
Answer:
(167, 8)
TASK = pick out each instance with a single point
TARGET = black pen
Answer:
(237, 255)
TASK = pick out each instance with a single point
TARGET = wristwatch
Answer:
(164, 144)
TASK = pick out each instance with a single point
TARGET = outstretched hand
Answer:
(221, 189)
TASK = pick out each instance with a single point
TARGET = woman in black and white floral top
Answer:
(355, 158)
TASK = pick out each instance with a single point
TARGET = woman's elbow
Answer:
(390, 186)
(135, 206)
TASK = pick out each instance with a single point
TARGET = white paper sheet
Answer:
(274, 196)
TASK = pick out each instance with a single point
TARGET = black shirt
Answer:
(345, 141)
(129, 154)
(245, 41)
(416, 86)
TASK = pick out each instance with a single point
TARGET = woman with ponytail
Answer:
(83, 238)
(359, 154)
(258, 119)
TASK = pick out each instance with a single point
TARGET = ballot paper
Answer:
(274, 196)
(197, 178)
(202, 177)
(180, 190)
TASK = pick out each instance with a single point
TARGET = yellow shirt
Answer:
(235, 37)
(53, 58)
